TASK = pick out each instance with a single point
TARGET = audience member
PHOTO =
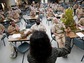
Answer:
(58, 30)
(79, 12)
(81, 22)
(13, 28)
(13, 15)
(32, 14)
(37, 26)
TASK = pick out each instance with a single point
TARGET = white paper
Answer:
(16, 35)
(80, 34)
(81, 28)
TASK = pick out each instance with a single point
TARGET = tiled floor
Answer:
(74, 57)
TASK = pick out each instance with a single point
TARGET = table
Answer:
(17, 37)
(13, 42)
(29, 17)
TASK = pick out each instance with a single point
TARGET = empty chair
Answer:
(23, 48)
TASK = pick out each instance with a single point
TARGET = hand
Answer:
(55, 34)
(17, 28)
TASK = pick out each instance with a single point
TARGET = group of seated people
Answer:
(40, 47)
(12, 13)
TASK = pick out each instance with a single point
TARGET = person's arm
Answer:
(17, 28)
(27, 34)
(64, 51)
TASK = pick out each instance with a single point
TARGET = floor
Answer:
(74, 57)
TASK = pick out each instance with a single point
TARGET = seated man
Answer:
(58, 29)
(13, 15)
(37, 26)
(13, 28)
(79, 12)
(81, 22)
(50, 14)
(32, 14)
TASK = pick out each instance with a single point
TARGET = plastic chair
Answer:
(23, 48)
(80, 43)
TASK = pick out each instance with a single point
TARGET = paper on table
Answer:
(81, 28)
(80, 34)
(16, 35)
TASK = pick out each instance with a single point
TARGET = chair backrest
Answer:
(79, 43)
(24, 47)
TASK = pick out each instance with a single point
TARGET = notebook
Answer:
(80, 34)
(81, 28)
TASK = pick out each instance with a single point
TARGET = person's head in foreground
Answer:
(40, 46)
(41, 50)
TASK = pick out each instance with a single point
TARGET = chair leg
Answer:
(82, 58)
(23, 58)
(4, 43)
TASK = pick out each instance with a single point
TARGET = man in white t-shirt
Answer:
(37, 26)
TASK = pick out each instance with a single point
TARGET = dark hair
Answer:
(40, 46)
(38, 21)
